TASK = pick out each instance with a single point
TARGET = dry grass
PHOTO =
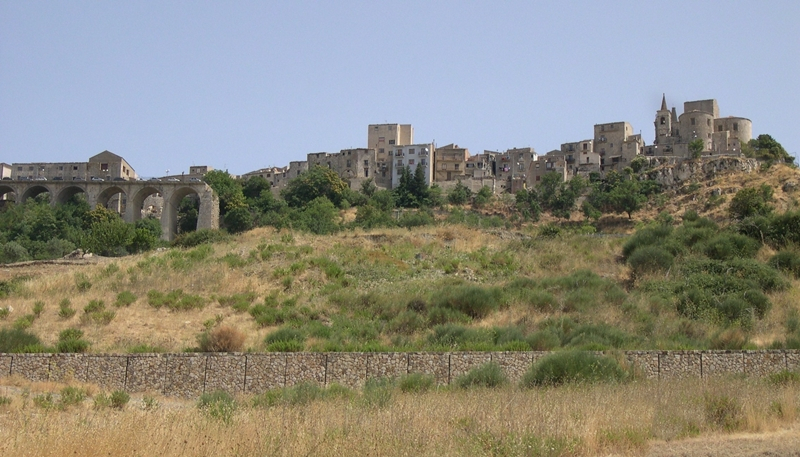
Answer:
(567, 421)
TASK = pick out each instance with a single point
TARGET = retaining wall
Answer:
(189, 375)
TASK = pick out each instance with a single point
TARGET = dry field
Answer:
(713, 417)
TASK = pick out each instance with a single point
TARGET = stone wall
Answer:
(189, 375)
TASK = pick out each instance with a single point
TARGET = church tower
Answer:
(663, 122)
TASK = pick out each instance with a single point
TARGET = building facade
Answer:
(412, 156)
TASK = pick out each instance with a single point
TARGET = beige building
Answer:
(450, 163)
(616, 145)
(105, 165)
(700, 120)
(383, 138)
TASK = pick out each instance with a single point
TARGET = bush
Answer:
(726, 246)
(65, 309)
(285, 335)
(12, 340)
(573, 366)
(175, 300)
(71, 396)
(487, 375)
(723, 411)
(12, 252)
(474, 301)
(221, 339)
(71, 340)
(217, 405)
(650, 259)
(543, 340)
(645, 237)
(377, 392)
(119, 399)
(787, 261)
(415, 382)
(125, 298)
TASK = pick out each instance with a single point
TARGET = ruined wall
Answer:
(190, 375)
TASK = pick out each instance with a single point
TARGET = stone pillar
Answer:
(208, 215)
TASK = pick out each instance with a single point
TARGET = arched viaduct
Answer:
(135, 193)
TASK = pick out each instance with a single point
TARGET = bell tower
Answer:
(663, 122)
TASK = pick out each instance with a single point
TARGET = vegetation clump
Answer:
(573, 367)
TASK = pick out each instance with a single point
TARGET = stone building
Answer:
(382, 138)
(616, 145)
(412, 156)
(450, 163)
(512, 168)
(106, 166)
(700, 120)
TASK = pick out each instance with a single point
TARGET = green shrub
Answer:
(486, 375)
(94, 306)
(285, 339)
(723, 411)
(438, 315)
(4, 312)
(728, 245)
(787, 261)
(218, 405)
(415, 382)
(71, 396)
(239, 302)
(119, 399)
(65, 309)
(573, 366)
(82, 282)
(453, 336)
(654, 235)
(784, 377)
(24, 322)
(38, 307)
(474, 301)
(125, 298)
(377, 392)
(201, 236)
(650, 259)
(543, 340)
(71, 340)
(175, 300)
(14, 339)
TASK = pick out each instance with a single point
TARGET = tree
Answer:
(696, 148)
(626, 197)
(188, 212)
(765, 147)
(254, 187)
(751, 201)
(460, 194)
(559, 197)
(483, 196)
(228, 190)
(527, 203)
(368, 187)
(317, 182)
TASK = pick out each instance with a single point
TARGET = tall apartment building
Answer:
(383, 138)
(412, 156)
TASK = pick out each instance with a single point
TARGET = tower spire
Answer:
(663, 102)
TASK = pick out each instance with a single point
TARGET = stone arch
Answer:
(135, 203)
(7, 192)
(68, 192)
(33, 191)
(169, 216)
(105, 197)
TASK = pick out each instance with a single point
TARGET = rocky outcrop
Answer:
(673, 172)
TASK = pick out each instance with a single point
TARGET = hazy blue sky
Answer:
(241, 85)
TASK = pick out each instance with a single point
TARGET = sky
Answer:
(242, 85)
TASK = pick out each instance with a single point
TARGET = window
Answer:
(456, 166)
(399, 162)
(708, 122)
(444, 166)
(585, 145)
(411, 151)
(692, 121)
(366, 163)
(381, 151)
(30, 168)
(719, 128)
(103, 167)
(709, 135)
(391, 141)
(74, 168)
(61, 168)
(735, 127)
(411, 161)
(19, 168)
(663, 120)
(348, 163)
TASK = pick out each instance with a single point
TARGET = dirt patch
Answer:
(781, 443)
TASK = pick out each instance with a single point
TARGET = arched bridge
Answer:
(134, 192)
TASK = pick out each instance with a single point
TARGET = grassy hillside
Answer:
(442, 287)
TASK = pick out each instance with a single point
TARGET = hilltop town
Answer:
(390, 148)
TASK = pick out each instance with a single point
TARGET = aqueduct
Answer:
(134, 192)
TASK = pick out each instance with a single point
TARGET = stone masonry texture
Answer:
(190, 375)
